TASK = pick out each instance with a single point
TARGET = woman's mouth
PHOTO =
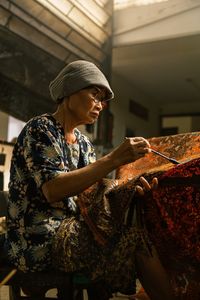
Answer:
(95, 115)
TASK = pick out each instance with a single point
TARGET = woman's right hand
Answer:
(68, 184)
(130, 150)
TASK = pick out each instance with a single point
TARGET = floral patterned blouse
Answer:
(40, 155)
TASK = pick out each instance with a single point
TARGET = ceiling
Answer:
(165, 70)
(39, 37)
(157, 49)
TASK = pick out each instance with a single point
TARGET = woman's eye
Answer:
(95, 92)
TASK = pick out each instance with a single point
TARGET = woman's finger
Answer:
(139, 190)
(145, 183)
(154, 184)
(138, 141)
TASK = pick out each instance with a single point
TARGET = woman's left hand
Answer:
(146, 186)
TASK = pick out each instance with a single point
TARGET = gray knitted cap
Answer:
(75, 76)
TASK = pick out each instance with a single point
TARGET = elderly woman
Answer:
(52, 163)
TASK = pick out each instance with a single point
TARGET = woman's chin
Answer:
(92, 120)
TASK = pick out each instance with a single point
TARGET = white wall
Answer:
(124, 91)
(14, 128)
(10, 127)
(5, 169)
(196, 123)
(9, 130)
(3, 126)
(184, 124)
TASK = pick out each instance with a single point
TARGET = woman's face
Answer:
(86, 104)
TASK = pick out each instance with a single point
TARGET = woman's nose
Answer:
(99, 104)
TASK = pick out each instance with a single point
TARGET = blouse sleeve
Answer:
(43, 152)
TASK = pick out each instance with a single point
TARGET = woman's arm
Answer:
(74, 182)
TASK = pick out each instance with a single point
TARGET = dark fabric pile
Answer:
(171, 214)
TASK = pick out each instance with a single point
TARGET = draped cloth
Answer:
(171, 213)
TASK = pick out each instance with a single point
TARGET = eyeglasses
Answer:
(97, 95)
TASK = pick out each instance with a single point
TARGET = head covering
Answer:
(78, 75)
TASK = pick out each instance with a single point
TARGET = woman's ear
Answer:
(67, 101)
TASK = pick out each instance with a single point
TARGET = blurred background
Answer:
(148, 49)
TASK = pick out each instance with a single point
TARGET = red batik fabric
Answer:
(171, 213)
(172, 219)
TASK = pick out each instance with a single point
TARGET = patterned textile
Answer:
(182, 147)
(103, 213)
(97, 243)
(74, 249)
(171, 213)
(39, 155)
